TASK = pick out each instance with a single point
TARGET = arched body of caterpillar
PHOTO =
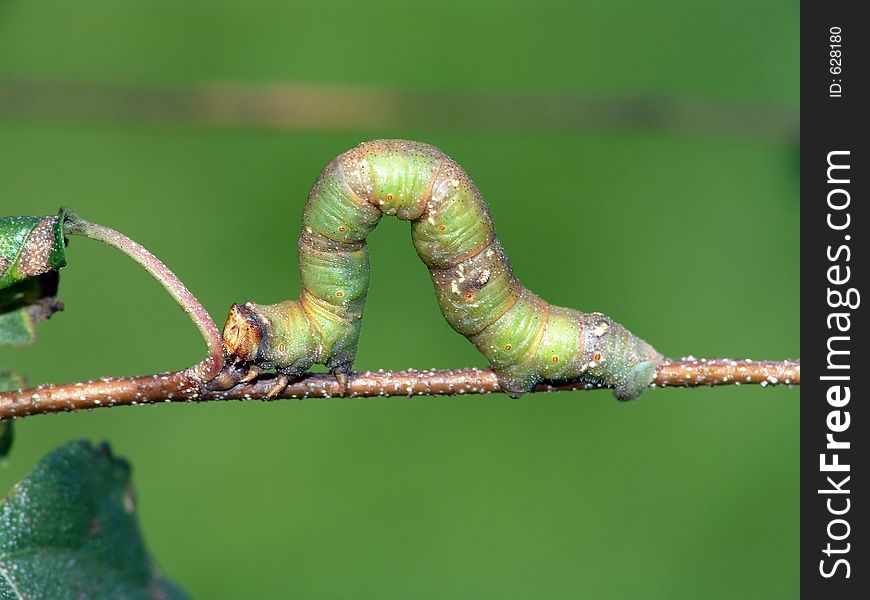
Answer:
(524, 338)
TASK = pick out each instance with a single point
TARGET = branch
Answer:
(214, 362)
(184, 386)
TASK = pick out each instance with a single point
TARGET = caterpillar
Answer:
(524, 339)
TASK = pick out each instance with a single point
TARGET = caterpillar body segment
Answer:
(524, 338)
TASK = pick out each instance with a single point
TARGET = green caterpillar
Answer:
(524, 338)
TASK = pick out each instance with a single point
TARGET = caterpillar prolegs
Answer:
(524, 338)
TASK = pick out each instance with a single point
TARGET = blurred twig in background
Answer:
(333, 107)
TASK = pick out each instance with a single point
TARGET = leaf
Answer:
(9, 380)
(25, 304)
(30, 246)
(31, 251)
(69, 531)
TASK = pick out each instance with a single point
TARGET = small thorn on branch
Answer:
(185, 386)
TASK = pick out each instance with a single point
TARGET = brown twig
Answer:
(183, 386)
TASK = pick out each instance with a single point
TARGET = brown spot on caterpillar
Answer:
(342, 228)
(282, 347)
(389, 197)
(339, 294)
(597, 356)
(441, 228)
(507, 346)
(555, 359)
(468, 295)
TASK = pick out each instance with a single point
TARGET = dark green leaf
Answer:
(69, 530)
(31, 251)
(9, 380)
(25, 304)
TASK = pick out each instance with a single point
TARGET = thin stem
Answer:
(214, 362)
(184, 386)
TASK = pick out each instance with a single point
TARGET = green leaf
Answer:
(69, 530)
(32, 249)
(9, 380)
(30, 246)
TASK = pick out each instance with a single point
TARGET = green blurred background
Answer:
(640, 158)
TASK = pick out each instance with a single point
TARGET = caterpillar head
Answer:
(270, 336)
(242, 334)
